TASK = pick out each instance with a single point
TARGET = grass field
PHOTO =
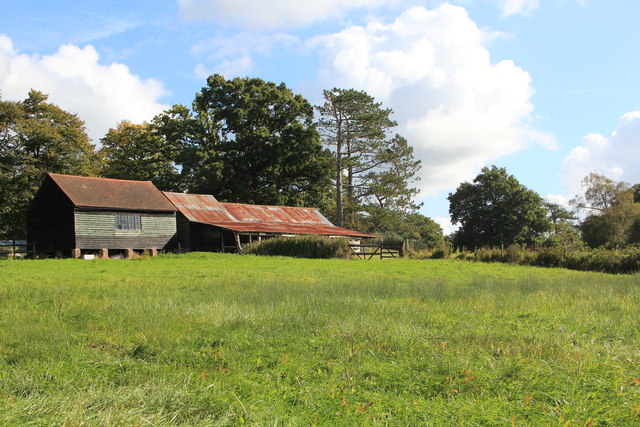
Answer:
(223, 339)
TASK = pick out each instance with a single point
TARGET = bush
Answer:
(625, 260)
(300, 247)
(441, 252)
(420, 254)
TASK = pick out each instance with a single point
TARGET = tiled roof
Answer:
(112, 193)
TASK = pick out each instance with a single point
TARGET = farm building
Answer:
(73, 214)
(204, 224)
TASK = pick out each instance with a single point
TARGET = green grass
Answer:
(218, 339)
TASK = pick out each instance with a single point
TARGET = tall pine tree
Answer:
(370, 166)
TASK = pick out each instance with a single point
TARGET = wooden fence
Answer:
(381, 250)
(16, 251)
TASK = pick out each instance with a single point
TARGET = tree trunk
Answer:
(339, 206)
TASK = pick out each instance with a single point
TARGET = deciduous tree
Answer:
(249, 141)
(600, 193)
(136, 151)
(613, 215)
(37, 137)
(496, 210)
(564, 230)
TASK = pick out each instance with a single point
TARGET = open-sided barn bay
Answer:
(217, 339)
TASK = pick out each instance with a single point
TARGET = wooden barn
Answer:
(204, 224)
(76, 215)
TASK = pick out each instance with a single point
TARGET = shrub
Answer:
(300, 247)
(441, 252)
(420, 253)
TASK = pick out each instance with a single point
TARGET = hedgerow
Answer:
(626, 260)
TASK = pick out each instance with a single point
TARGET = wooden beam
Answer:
(238, 245)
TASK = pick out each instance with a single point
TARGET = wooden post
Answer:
(238, 245)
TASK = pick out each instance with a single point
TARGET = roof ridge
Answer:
(98, 177)
(268, 206)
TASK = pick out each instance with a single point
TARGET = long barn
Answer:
(205, 224)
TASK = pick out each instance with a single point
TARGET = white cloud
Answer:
(101, 95)
(232, 56)
(513, 7)
(259, 14)
(457, 108)
(615, 157)
(445, 223)
(559, 199)
(229, 68)
(523, 7)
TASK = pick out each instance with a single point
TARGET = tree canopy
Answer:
(250, 141)
(136, 151)
(496, 210)
(613, 212)
(37, 137)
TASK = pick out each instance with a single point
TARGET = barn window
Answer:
(128, 222)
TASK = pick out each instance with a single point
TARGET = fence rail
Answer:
(16, 251)
(382, 250)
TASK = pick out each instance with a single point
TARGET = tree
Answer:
(249, 141)
(564, 231)
(420, 230)
(600, 193)
(387, 186)
(496, 210)
(423, 231)
(37, 137)
(368, 166)
(613, 215)
(135, 151)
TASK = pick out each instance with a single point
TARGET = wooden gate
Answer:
(381, 250)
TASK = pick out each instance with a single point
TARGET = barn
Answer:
(205, 224)
(72, 215)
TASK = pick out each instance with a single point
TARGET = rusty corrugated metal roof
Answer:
(199, 207)
(256, 218)
(282, 228)
(112, 193)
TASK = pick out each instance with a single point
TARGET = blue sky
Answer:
(546, 88)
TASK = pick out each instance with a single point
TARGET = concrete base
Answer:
(75, 253)
(103, 254)
(151, 252)
(129, 253)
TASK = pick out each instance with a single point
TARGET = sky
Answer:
(548, 89)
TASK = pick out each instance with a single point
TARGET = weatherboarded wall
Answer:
(50, 220)
(96, 230)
